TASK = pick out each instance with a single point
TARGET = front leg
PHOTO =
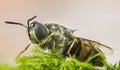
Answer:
(23, 51)
(44, 41)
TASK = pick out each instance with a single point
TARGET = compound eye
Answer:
(40, 31)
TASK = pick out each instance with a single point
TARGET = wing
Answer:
(100, 47)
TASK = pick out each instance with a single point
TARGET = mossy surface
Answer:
(40, 60)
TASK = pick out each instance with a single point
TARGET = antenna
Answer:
(16, 23)
(28, 22)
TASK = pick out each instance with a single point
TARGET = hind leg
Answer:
(72, 44)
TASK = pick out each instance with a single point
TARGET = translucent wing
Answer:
(100, 47)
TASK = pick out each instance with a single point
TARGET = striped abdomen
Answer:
(83, 49)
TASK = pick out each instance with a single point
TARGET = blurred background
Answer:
(97, 20)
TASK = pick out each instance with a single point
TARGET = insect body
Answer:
(69, 45)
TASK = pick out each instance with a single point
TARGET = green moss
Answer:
(40, 60)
